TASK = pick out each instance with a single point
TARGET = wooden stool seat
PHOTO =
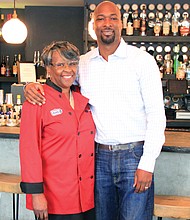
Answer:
(10, 183)
(171, 206)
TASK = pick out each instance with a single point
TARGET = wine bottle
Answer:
(7, 67)
(157, 25)
(188, 71)
(166, 24)
(136, 22)
(129, 30)
(18, 106)
(184, 24)
(3, 66)
(15, 67)
(175, 22)
(125, 17)
(176, 59)
(19, 57)
(168, 64)
(143, 21)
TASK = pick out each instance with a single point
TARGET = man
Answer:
(125, 93)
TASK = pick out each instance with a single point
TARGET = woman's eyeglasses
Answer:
(70, 64)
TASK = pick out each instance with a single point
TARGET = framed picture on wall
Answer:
(26, 72)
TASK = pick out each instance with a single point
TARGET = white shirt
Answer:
(126, 99)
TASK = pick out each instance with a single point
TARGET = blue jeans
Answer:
(114, 193)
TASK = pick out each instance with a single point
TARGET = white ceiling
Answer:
(23, 3)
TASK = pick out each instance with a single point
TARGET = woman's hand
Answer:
(34, 93)
(40, 206)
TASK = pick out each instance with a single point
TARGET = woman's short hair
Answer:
(64, 48)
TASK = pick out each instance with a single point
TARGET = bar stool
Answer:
(10, 183)
(171, 207)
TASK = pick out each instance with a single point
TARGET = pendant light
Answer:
(14, 31)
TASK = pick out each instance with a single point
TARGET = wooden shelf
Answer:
(159, 39)
(8, 79)
(153, 39)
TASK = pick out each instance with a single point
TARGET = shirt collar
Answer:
(57, 88)
(120, 51)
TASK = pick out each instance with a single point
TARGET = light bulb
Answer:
(91, 30)
(14, 31)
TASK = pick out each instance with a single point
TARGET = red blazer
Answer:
(57, 152)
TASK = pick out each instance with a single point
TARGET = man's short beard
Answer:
(108, 40)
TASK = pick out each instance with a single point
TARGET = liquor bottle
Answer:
(188, 71)
(40, 71)
(180, 74)
(184, 24)
(125, 17)
(1, 97)
(3, 66)
(2, 19)
(15, 67)
(151, 23)
(176, 59)
(38, 59)
(168, 64)
(129, 30)
(136, 22)
(166, 24)
(9, 100)
(143, 22)
(175, 22)
(19, 57)
(18, 106)
(157, 25)
(7, 67)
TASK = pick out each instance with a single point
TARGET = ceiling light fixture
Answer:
(90, 27)
(14, 31)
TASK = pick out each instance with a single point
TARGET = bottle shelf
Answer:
(153, 39)
(159, 39)
(9, 79)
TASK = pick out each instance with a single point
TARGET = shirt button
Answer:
(91, 132)
(70, 113)
(80, 178)
(92, 177)
(78, 133)
(92, 155)
(80, 155)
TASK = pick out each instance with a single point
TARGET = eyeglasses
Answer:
(70, 64)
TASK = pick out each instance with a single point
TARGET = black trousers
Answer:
(88, 215)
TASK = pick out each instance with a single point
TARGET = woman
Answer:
(57, 143)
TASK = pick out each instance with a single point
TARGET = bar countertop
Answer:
(176, 141)
(9, 132)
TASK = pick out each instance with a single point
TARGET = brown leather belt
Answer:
(119, 146)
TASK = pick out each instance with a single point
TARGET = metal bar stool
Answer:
(171, 207)
(10, 183)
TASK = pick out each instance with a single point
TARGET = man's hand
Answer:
(34, 93)
(142, 181)
(40, 206)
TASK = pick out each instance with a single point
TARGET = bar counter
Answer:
(176, 141)
(9, 132)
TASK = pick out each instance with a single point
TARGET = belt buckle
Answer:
(110, 148)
